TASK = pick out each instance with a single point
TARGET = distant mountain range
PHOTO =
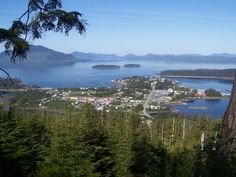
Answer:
(42, 57)
(96, 57)
(187, 58)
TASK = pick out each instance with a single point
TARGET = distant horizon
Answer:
(164, 54)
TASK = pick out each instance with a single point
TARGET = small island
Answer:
(132, 66)
(213, 93)
(106, 67)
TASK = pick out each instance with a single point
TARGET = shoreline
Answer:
(181, 103)
(213, 98)
(199, 77)
(195, 99)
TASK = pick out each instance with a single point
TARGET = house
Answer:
(73, 98)
(170, 90)
(200, 93)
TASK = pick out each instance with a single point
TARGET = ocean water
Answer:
(218, 84)
(214, 108)
(82, 74)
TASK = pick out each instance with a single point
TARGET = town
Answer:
(149, 95)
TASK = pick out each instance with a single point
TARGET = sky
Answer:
(142, 26)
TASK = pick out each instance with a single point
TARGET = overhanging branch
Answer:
(8, 75)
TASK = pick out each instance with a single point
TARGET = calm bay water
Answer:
(82, 74)
(213, 108)
(220, 85)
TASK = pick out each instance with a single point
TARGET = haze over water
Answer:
(82, 75)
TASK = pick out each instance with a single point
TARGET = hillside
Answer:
(187, 58)
(42, 57)
(39, 57)
(217, 73)
(95, 56)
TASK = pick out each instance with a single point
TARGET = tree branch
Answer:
(41, 8)
(27, 21)
(45, 17)
(27, 11)
(8, 75)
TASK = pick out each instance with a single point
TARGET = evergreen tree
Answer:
(148, 160)
(23, 142)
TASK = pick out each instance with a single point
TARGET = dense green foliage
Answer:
(106, 67)
(132, 66)
(108, 144)
(136, 84)
(212, 93)
(229, 73)
(11, 84)
(28, 99)
(164, 85)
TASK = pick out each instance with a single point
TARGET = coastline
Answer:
(195, 99)
(199, 77)
(184, 103)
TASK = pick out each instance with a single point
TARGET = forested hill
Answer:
(90, 143)
(211, 73)
(39, 57)
(96, 56)
(188, 58)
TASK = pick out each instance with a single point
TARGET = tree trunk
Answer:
(184, 125)
(202, 140)
(227, 142)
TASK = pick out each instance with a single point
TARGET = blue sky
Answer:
(143, 26)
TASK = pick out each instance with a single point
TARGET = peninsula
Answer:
(226, 74)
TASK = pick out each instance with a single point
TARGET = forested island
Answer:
(201, 73)
(106, 67)
(132, 66)
(212, 93)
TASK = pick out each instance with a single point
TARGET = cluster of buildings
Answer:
(152, 98)
(99, 102)
(200, 93)
(159, 99)
(130, 102)
(53, 95)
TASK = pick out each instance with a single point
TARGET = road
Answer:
(147, 102)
